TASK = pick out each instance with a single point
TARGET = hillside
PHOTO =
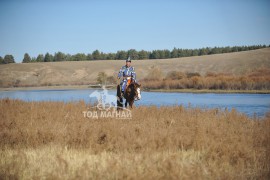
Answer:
(85, 72)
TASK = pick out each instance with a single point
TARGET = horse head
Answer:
(138, 91)
(134, 91)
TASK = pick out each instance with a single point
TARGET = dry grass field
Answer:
(86, 72)
(53, 140)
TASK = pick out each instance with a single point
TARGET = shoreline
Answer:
(64, 87)
(78, 87)
(43, 88)
(216, 91)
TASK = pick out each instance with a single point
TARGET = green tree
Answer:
(167, 54)
(188, 52)
(121, 55)
(96, 55)
(195, 52)
(226, 49)
(239, 48)
(161, 54)
(103, 56)
(59, 56)
(48, 57)
(1, 60)
(33, 59)
(234, 49)
(143, 54)
(27, 58)
(245, 48)
(79, 57)
(203, 51)
(89, 57)
(68, 57)
(133, 54)
(9, 59)
(154, 54)
(174, 53)
(40, 58)
(215, 50)
(110, 56)
(181, 53)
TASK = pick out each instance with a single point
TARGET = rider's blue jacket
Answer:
(127, 72)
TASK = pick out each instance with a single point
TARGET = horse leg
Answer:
(120, 103)
(131, 104)
(126, 104)
(119, 98)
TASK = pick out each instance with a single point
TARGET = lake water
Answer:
(249, 104)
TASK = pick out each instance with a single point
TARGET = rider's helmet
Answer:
(128, 59)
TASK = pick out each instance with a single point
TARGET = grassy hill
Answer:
(85, 72)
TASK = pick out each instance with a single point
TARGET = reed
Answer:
(54, 140)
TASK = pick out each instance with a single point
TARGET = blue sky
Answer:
(80, 26)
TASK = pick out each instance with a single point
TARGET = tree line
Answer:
(132, 53)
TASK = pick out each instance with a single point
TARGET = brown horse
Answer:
(131, 94)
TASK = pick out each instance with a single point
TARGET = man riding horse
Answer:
(128, 88)
(128, 73)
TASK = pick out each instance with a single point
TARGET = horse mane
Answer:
(130, 94)
(134, 84)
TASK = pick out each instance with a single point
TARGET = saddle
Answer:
(128, 82)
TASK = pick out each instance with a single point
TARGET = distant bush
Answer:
(175, 75)
(112, 80)
(103, 78)
(210, 74)
(255, 80)
(192, 74)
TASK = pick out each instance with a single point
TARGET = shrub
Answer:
(192, 74)
(175, 75)
(102, 78)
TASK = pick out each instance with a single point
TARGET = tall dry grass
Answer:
(255, 80)
(53, 140)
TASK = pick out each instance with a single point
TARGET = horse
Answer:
(131, 93)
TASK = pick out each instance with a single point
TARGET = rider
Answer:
(126, 72)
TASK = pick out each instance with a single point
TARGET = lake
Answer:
(249, 104)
